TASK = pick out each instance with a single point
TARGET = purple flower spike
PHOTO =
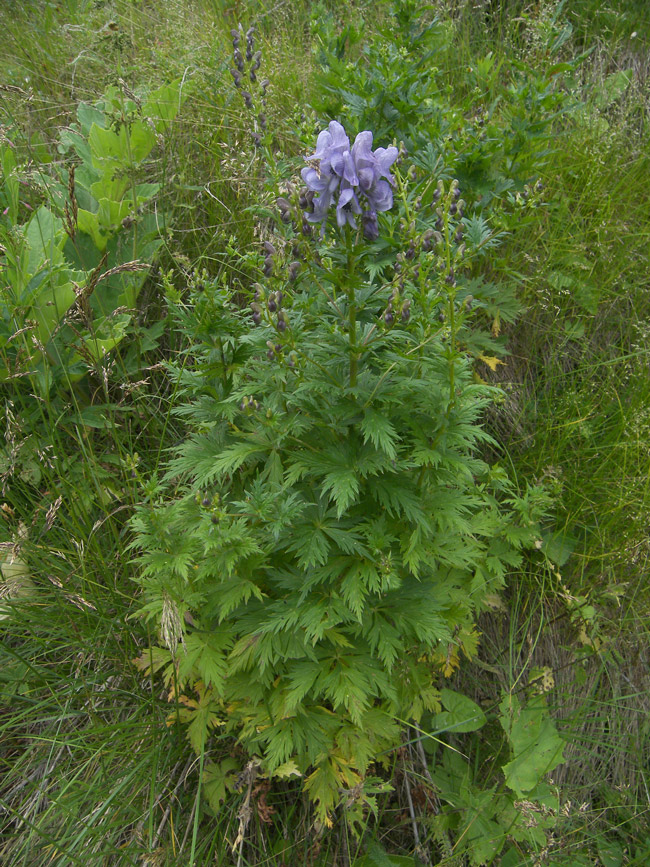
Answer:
(360, 176)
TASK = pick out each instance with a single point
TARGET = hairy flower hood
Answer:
(359, 175)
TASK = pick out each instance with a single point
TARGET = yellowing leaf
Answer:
(288, 769)
(494, 601)
(490, 360)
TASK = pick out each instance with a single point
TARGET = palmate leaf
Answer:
(378, 429)
(343, 487)
(310, 544)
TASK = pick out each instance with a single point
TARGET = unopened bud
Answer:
(248, 99)
(426, 240)
(294, 268)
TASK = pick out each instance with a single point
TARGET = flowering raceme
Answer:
(356, 174)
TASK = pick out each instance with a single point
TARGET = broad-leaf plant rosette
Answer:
(328, 531)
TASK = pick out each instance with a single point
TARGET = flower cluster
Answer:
(355, 173)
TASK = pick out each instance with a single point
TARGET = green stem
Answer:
(452, 316)
(352, 310)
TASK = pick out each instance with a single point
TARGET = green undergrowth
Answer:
(532, 743)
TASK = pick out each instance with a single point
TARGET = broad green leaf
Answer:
(88, 115)
(461, 714)
(534, 740)
(610, 853)
(557, 546)
(164, 103)
(613, 87)
(45, 238)
(217, 778)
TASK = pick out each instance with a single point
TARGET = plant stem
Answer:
(352, 310)
(452, 323)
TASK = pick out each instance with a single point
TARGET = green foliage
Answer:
(478, 813)
(74, 270)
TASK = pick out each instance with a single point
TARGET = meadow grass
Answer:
(95, 769)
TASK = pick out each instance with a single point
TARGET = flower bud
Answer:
(426, 240)
(206, 501)
(370, 226)
(237, 77)
(248, 99)
(389, 317)
(438, 192)
(412, 173)
(257, 317)
(239, 60)
(458, 237)
(268, 266)
(269, 249)
(271, 304)
(264, 84)
(294, 268)
(449, 279)
(282, 321)
(261, 119)
(257, 139)
(214, 519)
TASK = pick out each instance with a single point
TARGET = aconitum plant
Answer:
(328, 530)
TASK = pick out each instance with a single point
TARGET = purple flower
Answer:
(359, 175)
